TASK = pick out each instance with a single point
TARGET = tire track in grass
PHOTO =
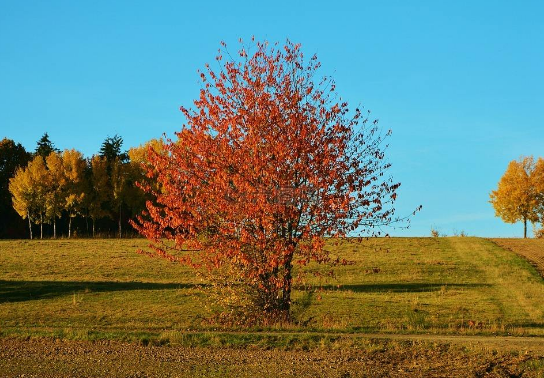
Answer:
(516, 291)
(530, 249)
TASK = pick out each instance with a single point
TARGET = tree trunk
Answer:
(120, 221)
(29, 224)
(69, 226)
(525, 228)
(54, 227)
(287, 285)
(93, 227)
(41, 229)
(288, 278)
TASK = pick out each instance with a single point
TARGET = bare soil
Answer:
(64, 358)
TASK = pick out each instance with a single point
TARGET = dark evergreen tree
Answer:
(44, 146)
(111, 149)
(117, 163)
(12, 156)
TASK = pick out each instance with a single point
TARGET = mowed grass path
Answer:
(103, 289)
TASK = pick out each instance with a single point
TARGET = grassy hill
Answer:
(87, 289)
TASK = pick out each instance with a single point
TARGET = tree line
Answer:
(53, 193)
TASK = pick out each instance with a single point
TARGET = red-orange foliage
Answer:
(269, 163)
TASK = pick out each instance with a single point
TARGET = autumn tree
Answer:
(137, 167)
(54, 184)
(538, 182)
(517, 197)
(74, 180)
(270, 162)
(97, 190)
(20, 187)
(117, 161)
(118, 178)
(29, 192)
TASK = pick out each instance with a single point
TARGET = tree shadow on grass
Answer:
(529, 324)
(407, 287)
(20, 291)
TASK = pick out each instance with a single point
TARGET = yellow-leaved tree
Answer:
(29, 192)
(55, 187)
(138, 162)
(519, 195)
(98, 188)
(538, 181)
(74, 174)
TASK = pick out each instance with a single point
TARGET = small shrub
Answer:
(539, 232)
(460, 234)
(434, 233)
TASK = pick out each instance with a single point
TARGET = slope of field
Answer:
(531, 249)
(89, 289)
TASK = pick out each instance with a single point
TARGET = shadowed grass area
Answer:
(87, 289)
(413, 287)
(18, 291)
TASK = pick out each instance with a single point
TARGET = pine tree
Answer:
(12, 156)
(44, 146)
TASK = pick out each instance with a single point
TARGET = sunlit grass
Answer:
(88, 289)
(531, 249)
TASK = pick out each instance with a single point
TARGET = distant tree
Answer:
(74, 174)
(98, 190)
(517, 197)
(118, 177)
(29, 192)
(12, 156)
(139, 156)
(136, 175)
(55, 187)
(21, 188)
(270, 163)
(111, 150)
(117, 171)
(44, 146)
(538, 180)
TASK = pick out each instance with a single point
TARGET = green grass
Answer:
(92, 289)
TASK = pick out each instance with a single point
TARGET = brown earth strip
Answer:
(63, 358)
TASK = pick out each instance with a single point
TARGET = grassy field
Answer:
(89, 289)
(407, 307)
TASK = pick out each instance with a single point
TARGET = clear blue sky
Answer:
(460, 83)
